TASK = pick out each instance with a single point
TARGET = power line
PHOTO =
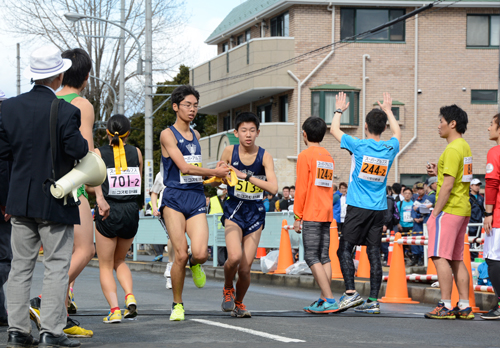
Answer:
(337, 45)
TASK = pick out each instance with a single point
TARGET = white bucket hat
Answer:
(46, 61)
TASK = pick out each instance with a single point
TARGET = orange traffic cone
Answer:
(357, 256)
(455, 297)
(397, 289)
(431, 268)
(391, 249)
(364, 264)
(334, 246)
(261, 252)
(285, 258)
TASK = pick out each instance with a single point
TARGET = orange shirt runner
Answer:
(314, 186)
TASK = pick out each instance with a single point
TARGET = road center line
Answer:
(250, 331)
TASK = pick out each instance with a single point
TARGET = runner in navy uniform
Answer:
(244, 212)
(183, 204)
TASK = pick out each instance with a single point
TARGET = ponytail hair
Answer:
(118, 127)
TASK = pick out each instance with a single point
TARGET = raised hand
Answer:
(340, 101)
(387, 105)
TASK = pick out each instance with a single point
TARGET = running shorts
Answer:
(248, 215)
(122, 222)
(446, 236)
(363, 226)
(189, 203)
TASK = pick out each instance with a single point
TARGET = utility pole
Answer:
(121, 100)
(18, 69)
(148, 105)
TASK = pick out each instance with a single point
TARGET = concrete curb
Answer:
(418, 292)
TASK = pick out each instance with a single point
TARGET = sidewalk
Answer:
(421, 292)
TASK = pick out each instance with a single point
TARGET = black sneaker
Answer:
(494, 313)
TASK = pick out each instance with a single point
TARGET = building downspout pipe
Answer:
(365, 57)
(300, 84)
(415, 107)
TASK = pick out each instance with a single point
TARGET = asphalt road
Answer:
(277, 320)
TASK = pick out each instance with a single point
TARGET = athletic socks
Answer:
(127, 295)
(112, 310)
(330, 300)
(447, 303)
(462, 304)
(371, 299)
(175, 304)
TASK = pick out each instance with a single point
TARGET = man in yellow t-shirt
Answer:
(448, 221)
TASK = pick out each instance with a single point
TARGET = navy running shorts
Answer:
(189, 203)
(248, 215)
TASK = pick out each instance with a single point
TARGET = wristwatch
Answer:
(339, 110)
(486, 214)
(248, 177)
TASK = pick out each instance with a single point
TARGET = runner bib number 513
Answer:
(247, 190)
(124, 184)
(373, 169)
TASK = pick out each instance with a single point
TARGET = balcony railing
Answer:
(240, 70)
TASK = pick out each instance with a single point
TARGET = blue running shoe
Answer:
(313, 305)
(347, 301)
(325, 307)
(158, 258)
(370, 308)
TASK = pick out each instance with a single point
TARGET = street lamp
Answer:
(111, 88)
(75, 17)
(148, 84)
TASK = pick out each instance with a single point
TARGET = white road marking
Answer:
(249, 331)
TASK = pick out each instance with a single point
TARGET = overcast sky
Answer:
(204, 16)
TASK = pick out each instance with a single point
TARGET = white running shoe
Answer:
(168, 284)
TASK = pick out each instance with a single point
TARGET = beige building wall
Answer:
(445, 67)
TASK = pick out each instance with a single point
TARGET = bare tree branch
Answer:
(43, 19)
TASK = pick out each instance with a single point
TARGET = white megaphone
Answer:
(90, 171)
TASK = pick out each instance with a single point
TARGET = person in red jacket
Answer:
(491, 248)
(313, 210)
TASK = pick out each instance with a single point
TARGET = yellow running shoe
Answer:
(113, 317)
(72, 307)
(177, 312)
(199, 277)
(73, 329)
(131, 307)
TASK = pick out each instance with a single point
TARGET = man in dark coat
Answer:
(37, 217)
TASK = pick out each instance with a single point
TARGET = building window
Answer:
(239, 40)
(323, 105)
(225, 47)
(284, 108)
(265, 112)
(227, 122)
(483, 30)
(357, 21)
(395, 111)
(280, 25)
(484, 96)
(248, 35)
